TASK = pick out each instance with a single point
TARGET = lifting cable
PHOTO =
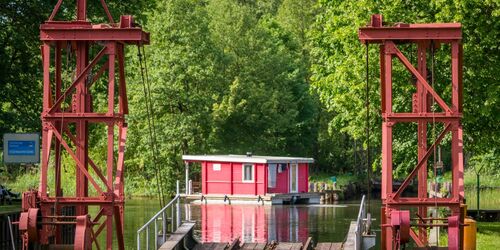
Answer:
(153, 115)
(434, 137)
(151, 126)
(367, 104)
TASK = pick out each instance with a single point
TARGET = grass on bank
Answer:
(144, 187)
(487, 237)
(136, 186)
(14, 207)
(342, 179)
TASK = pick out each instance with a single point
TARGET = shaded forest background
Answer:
(273, 77)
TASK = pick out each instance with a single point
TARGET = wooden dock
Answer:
(271, 246)
(253, 246)
(182, 239)
(329, 246)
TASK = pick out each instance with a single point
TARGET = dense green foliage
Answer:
(339, 66)
(274, 77)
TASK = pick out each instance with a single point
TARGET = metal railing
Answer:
(361, 223)
(168, 225)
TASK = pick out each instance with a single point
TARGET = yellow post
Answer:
(470, 231)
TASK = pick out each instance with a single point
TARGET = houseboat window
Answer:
(248, 172)
(281, 167)
(271, 177)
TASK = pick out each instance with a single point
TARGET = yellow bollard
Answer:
(470, 231)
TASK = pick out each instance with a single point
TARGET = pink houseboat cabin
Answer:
(237, 178)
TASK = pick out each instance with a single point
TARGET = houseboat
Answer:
(251, 179)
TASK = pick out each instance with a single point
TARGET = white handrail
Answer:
(360, 224)
(154, 220)
(159, 213)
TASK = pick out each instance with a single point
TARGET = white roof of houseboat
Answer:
(247, 159)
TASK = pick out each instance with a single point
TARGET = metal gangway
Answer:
(168, 225)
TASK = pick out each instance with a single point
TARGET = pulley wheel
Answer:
(28, 223)
(83, 239)
(400, 220)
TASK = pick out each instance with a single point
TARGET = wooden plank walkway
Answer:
(212, 246)
(252, 246)
(329, 246)
(178, 238)
(181, 239)
(350, 242)
(268, 246)
(289, 246)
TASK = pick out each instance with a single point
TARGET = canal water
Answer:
(255, 223)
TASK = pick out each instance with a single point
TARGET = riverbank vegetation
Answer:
(274, 77)
(486, 237)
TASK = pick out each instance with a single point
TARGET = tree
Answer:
(20, 67)
(267, 108)
(182, 64)
(338, 68)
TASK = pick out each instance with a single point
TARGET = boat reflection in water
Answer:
(283, 223)
(253, 223)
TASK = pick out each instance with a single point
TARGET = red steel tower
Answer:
(91, 51)
(398, 226)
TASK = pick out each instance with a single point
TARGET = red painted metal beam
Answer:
(79, 163)
(414, 172)
(51, 33)
(416, 238)
(90, 117)
(425, 116)
(91, 201)
(421, 80)
(421, 105)
(81, 76)
(410, 34)
(416, 202)
(414, 33)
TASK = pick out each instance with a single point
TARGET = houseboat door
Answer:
(294, 178)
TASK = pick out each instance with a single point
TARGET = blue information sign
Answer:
(21, 147)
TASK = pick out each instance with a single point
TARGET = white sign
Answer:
(216, 167)
(21, 148)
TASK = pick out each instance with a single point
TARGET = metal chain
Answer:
(145, 88)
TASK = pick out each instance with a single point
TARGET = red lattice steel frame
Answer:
(67, 128)
(424, 36)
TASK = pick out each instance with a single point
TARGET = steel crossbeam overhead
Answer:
(68, 112)
(396, 227)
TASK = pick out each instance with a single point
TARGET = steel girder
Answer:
(424, 36)
(67, 114)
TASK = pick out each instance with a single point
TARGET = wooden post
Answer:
(232, 177)
(186, 164)
(255, 177)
